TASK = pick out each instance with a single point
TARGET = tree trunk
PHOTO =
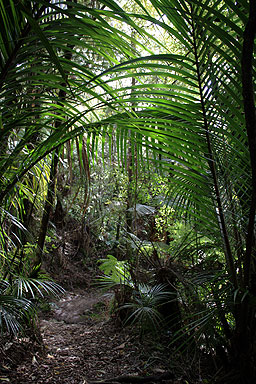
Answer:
(243, 342)
(47, 209)
(53, 175)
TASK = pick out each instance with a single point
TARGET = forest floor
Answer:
(78, 341)
(82, 344)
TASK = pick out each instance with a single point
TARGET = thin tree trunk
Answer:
(129, 204)
(221, 217)
(53, 175)
(47, 208)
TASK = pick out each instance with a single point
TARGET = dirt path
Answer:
(82, 344)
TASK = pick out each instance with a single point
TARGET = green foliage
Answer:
(18, 302)
(145, 304)
(36, 287)
(186, 110)
(144, 301)
(14, 311)
(154, 189)
(164, 221)
(116, 272)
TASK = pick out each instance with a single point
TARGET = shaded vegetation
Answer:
(132, 127)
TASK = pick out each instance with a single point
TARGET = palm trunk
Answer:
(244, 338)
(212, 167)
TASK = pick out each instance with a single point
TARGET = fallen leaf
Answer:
(121, 346)
(159, 370)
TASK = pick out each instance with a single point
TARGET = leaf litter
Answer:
(79, 343)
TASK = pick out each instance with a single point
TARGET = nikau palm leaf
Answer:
(34, 66)
(14, 311)
(198, 120)
(196, 117)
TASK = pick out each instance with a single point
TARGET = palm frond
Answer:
(34, 287)
(14, 312)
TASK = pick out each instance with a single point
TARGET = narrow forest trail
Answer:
(82, 344)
